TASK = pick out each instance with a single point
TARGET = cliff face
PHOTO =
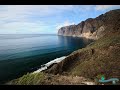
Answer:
(92, 28)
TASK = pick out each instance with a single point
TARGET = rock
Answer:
(93, 28)
(88, 83)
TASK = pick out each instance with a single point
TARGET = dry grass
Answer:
(49, 79)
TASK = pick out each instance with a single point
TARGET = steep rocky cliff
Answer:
(92, 28)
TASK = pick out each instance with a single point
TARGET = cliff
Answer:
(101, 57)
(92, 28)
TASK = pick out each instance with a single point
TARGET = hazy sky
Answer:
(46, 19)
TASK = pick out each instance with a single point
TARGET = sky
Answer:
(46, 19)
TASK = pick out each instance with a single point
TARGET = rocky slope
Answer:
(101, 57)
(92, 28)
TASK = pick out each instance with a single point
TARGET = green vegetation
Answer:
(48, 79)
(29, 79)
(100, 57)
(106, 41)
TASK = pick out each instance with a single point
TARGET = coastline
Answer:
(57, 60)
(45, 66)
(93, 62)
(80, 36)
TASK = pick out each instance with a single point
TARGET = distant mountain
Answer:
(93, 28)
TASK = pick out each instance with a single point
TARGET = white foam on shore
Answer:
(43, 67)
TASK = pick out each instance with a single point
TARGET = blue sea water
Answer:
(22, 53)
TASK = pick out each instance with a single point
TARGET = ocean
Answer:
(23, 53)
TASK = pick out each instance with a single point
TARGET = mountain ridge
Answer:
(92, 28)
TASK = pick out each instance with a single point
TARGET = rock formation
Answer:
(92, 28)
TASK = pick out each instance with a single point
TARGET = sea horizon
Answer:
(23, 53)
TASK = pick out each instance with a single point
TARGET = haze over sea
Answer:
(22, 53)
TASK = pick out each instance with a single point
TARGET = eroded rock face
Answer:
(92, 28)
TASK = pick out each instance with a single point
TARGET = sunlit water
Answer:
(20, 54)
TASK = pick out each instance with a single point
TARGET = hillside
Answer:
(101, 57)
(50, 79)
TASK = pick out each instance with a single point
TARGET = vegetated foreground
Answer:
(101, 57)
(50, 79)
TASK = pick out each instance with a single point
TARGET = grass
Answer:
(104, 60)
(106, 41)
(48, 79)
(29, 79)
